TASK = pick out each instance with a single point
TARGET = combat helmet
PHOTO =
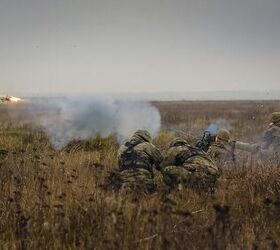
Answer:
(223, 134)
(143, 134)
(275, 118)
(177, 142)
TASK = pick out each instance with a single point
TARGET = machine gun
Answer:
(206, 141)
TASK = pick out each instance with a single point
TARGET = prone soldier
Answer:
(186, 166)
(222, 151)
(137, 159)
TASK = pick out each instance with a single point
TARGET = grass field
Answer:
(53, 199)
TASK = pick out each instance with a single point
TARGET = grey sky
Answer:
(145, 45)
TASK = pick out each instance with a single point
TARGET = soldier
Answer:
(223, 150)
(269, 148)
(186, 166)
(271, 139)
(137, 159)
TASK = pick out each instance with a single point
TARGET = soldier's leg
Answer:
(202, 175)
(137, 180)
(174, 175)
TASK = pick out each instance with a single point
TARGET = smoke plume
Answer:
(218, 124)
(77, 118)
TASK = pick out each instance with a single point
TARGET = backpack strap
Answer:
(128, 158)
(182, 157)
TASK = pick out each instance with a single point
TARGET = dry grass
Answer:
(55, 200)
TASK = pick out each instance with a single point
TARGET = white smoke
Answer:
(77, 118)
(219, 124)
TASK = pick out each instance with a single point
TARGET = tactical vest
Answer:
(182, 157)
(130, 159)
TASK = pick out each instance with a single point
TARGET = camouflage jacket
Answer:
(271, 139)
(192, 159)
(269, 147)
(222, 152)
(137, 153)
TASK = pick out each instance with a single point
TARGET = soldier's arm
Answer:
(120, 152)
(252, 148)
(213, 153)
(158, 158)
(167, 161)
(155, 155)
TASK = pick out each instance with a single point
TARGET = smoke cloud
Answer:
(218, 124)
(77, 118)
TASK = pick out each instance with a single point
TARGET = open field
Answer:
(53, 199)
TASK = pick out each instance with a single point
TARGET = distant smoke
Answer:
(66, 119)
(213, 128)
(218, 124)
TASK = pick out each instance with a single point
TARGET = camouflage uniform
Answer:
(223, 150)
(188, 166)
(136, 159)
(270, 146)
(222, 153)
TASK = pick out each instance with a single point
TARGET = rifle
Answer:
(206, 141)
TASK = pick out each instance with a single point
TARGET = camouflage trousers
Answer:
(178, 175)
(139, 180)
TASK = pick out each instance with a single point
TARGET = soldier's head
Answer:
(143, 134)
(223, 135)
(275, 118)
(177, 142)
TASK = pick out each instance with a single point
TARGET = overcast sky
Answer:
(145, 45)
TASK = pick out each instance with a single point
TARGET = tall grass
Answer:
(53, 199)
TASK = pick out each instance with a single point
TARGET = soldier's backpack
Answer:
(128, 157)
(182, 157)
